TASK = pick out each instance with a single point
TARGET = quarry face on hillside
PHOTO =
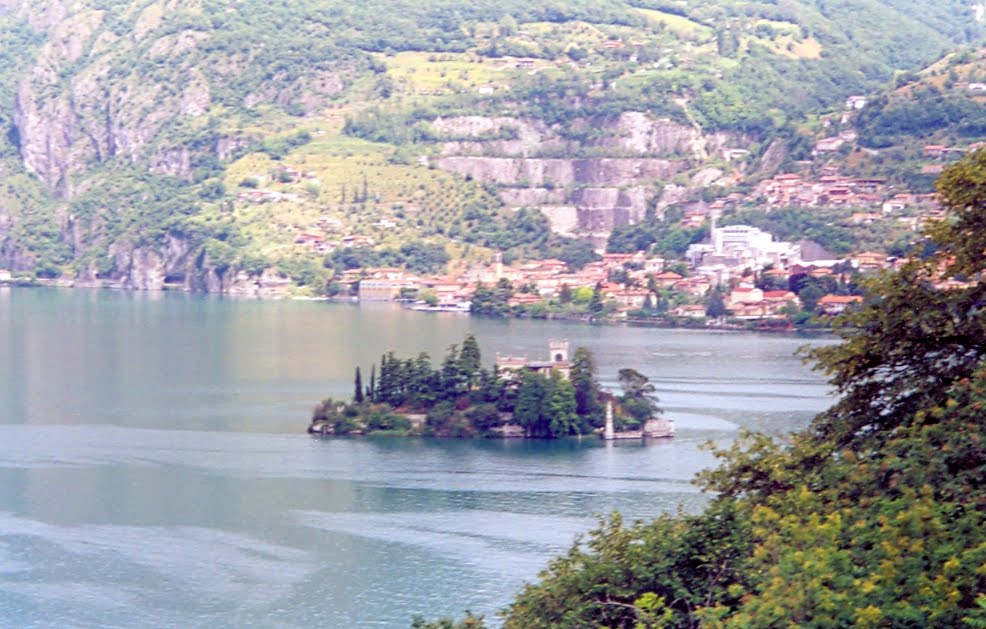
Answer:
(581, 196)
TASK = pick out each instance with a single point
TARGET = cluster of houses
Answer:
(729, 260)
(829, 190)
(535, 281)
(939, 154)
(870, 199)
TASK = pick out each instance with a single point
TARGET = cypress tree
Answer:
(596, 305)
(383, 386)
(583, 377)
(358, 388)
(715, 306)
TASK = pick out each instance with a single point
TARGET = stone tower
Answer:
(558, 351)
(609, 432)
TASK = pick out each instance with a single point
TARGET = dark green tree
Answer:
(565, 294)
(638, 400)
(530, 400)
(587, 399)
(453, 381)
(596, 306)
(559, 406)
(715, 306)
(358, 388)
(470, 361)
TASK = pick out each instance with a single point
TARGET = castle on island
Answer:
(557, 359)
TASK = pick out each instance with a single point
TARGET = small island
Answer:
(519, 398)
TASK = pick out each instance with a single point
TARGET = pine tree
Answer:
(470, 361)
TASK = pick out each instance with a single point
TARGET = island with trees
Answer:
(548, 399)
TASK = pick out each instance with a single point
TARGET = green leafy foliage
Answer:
(889, 121)
(417, 256)
(662, 235)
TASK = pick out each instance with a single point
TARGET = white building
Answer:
(742, 246)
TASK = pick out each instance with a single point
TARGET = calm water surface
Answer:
(154, 469)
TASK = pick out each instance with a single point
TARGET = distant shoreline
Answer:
(666, 324)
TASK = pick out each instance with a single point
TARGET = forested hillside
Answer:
(206, 145)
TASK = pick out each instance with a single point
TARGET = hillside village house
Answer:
(870, 261)
(695, 311)
(749, 302)
(856, 102)
(835, 304)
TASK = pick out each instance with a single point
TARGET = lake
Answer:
(155, 471)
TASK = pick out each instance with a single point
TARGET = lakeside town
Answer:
(754, 276)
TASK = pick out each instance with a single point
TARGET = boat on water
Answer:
(461, 307)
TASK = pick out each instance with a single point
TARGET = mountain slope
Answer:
(138, 128)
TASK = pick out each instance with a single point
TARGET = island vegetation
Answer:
(462, 398)
(874, 516)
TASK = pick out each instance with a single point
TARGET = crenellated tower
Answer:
(558, 350)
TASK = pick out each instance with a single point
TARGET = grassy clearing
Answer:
(809, 48)
(678, 24)
(429, 72)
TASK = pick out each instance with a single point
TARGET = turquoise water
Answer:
(154, 469)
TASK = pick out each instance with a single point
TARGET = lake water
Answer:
(155, 471)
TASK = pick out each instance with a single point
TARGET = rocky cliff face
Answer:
(175, 266)
(98, 113)
(134, 89)
(93, 96)
(585, 196)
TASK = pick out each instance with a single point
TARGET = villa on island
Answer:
(557, 359)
